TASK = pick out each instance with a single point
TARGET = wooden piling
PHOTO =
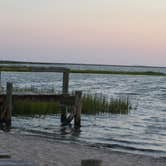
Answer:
(65, 89)
(77, 117)
(9, 104)
(65, 82)
(0, 84)
(6, 109)
(91, 162)
(63, 115)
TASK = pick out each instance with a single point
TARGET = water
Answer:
(141, 131)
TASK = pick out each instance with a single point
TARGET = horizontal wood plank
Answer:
(63, 99)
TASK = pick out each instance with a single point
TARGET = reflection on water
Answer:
(143, 130)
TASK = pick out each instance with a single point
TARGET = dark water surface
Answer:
(143, 130)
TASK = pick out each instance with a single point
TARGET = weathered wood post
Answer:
(9, 104)
(65, 89)
(63, 114)
(65, 82)
(91, 162)
(6, 109)
(78, 105)
(0, 84)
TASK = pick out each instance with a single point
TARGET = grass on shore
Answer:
(91, 104)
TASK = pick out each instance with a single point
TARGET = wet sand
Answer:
(46, 152)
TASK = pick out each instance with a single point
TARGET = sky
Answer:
(117, 32)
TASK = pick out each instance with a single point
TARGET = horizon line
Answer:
(68, 63)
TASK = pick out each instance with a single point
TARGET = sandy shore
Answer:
(46, 152)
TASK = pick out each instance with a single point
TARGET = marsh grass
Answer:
(30, 68)
(95, 104)
(91, 104)
(30, 108)
(147, 73)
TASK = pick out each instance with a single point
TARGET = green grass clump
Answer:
(35, 108)
(94, 104)
(91, 104)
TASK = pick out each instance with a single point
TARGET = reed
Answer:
(30, 108)
(91, 104)
(94, 104)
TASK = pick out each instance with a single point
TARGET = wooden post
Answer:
(65, 82)
(9, 104)
(91, 162)
(64, 91)
(63, 114)
(77, 117)
(0, 84)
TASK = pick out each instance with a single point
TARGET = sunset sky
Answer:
(124, 32)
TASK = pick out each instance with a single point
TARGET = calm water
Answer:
(141, 131)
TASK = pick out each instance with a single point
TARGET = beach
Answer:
(47, 152)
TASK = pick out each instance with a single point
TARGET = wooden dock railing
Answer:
(7, 100)
(65, 71)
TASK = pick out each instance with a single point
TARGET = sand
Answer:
(45, 152)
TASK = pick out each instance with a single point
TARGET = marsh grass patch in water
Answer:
(95, 104)
(91, 104)
(30, 108)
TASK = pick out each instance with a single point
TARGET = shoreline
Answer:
(43, 151)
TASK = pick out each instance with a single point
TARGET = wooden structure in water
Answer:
(65, 100)
(63, 70)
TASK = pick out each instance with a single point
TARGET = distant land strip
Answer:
(31, 69)
(4, 62)
(150, 73)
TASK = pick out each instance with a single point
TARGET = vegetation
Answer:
(30, 69)
(94, 104)
(31, 108)
(91, 104)
(150, 73)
